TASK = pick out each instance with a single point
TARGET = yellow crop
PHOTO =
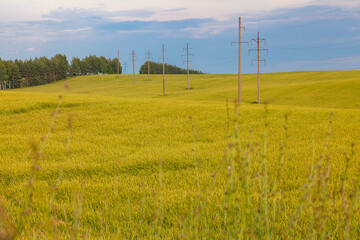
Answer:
(112, 160)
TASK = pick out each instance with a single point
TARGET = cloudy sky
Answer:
(300, 34)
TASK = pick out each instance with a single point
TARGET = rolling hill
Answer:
(113, 160)
(332, 89)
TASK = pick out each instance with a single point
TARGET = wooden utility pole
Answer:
(239, 77)
(258, 40)
(187, 63)
(118, 62)
(187, 60)
(133, 60)
(239, 61)
(163, 57)
(125, 67)
(258, 64)
(149, 65)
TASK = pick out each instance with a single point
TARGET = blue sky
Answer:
(302, 35)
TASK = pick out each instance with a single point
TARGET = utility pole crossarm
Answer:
(186, 62)
(238, 42)
(260, 40)
(261, 60)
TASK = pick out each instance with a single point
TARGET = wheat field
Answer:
(112, 160)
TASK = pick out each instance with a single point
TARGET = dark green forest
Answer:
(157, 68)
(38, 71)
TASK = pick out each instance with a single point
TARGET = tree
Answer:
(13, 74)
(75, 68)
(47, 69)
(39, 71)
(113, 65)
(32, 72)
(84, 67)
(93, 64)
(61, 66)
(103, 65)
(156, 68)
(2, 73)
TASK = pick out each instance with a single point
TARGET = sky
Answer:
(301, 35)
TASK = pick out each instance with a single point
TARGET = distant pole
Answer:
(149, 65)
(125, 64)
(133, 59)
(258, 62)
(258, 40)
(163, 56)
(118, 62)
(239, 61)
(239, 78)
(187, 60)
(187, 55)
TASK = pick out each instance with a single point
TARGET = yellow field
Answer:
(121, 161)
(333, 89)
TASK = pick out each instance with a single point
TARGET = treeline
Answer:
(157, 68)
(94, 65)
(19, 73)
(38, 71)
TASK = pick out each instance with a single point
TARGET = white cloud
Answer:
(139, 31)
(338, 3)
(31, 49)
(206, 29)
(77, 30)
(25, 10)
